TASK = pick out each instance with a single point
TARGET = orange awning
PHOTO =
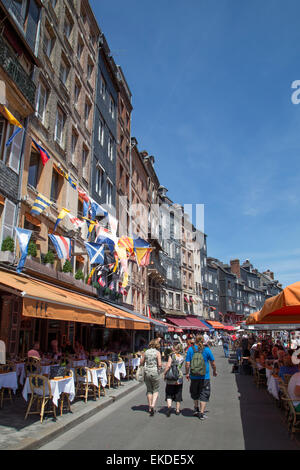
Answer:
(43, 300)
(216, 324)
(283, 308)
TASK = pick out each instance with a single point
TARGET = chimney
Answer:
(235, 267)
(272, 275)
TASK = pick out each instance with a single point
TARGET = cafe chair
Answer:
(65, 396)
(109, 373)
(287, 378)
(292, 416)
(41, 394)
(84, 386)
(100, 387)
(32, 366)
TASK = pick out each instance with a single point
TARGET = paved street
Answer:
(240, 416)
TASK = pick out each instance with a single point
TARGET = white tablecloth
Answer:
(80, 363)
(20, 370)
(273, 387)
(9, 380)
(135, 362)
(119, 369)
(99, 373)
(57, 388)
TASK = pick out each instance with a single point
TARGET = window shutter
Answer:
(15, 153)
(8, 220)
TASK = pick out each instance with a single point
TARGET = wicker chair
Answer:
(32, 366)
(84, 385)
(109, 374)
(6, 368)
(41, 394)
(65, 396)
(100, 387)
(292, 416)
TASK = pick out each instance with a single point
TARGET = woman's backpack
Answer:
(173, 372)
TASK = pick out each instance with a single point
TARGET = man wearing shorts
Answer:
(200, 385)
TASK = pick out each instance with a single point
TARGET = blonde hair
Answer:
(177, 348)
(154, 344)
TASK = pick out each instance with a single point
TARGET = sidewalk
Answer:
(18, 434)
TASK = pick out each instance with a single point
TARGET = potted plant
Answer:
(32, 249)
(7, 250)
(49, 258)
(67, 267)
(79, 276)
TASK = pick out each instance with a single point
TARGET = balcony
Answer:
(15, 71)
(156, 269)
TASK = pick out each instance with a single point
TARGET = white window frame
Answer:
(59, 131)
(38, 113)
(112, 107)
(101, 132)
(109, 192)
(7, 229)
(103, 87)
(110, 148)
(99, 180)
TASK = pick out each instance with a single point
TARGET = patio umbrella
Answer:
(284, 308)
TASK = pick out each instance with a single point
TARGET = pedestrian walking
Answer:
(174, 379)
(198, 360)
(151, 360)
(225, 341)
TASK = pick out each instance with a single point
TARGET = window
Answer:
(112, 107)
(169, 273)
(41, 102)
(64, 71)
(54, 187)
(110, 148)
(48, 42)
(102, 87)
(77, 89)
(33, 170)
(109, 191)
(101, 132)
(99, 180)
(67, 27)
(85, 154)
(74, 140)
(80, 47)
(90, 69)
(8, 220)
(59, 127)
(178, 303)
(87, 109)
(171, 300)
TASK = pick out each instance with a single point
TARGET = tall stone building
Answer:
(19, 39)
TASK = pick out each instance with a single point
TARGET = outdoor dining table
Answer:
(135, 362)
(272, 384)
(98, 373)
(20, 370)
(9, 380)
(118, 369)
(58, 386)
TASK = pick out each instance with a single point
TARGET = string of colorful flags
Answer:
(122, 249)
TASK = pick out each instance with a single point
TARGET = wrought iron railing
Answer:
(15, 71)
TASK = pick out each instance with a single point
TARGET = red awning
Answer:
(188, 323)
(182, 323)
(229, 327)
(171, 329)
(197, 323)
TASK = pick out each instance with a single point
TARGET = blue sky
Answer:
(211, 85)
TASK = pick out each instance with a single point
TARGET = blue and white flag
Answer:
(97, 210)
(13, 136)
(23, 237)
(62, 246)
(95, 252)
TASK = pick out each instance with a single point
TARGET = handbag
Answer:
(140, 374)
(173, 372)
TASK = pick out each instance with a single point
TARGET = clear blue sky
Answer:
(211, 85)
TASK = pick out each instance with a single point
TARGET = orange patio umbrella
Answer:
(284, 308)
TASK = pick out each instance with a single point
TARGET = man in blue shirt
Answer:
(200, 384)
